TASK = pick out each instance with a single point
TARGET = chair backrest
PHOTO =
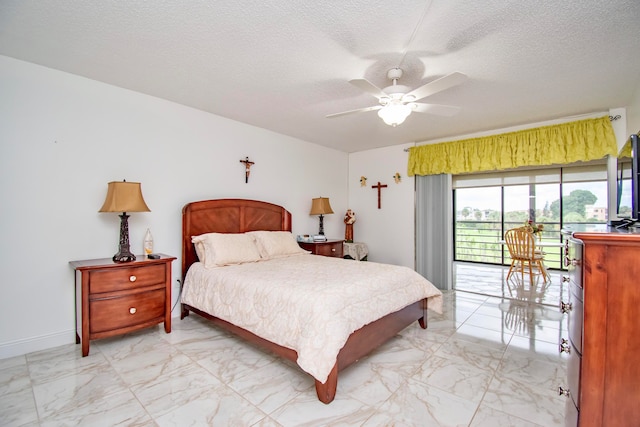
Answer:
(521, 243)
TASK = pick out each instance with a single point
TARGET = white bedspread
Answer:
(307, 303)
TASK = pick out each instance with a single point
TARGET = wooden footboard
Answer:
(360, 343)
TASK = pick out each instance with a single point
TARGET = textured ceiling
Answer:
(285, 65)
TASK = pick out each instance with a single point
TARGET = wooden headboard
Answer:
(228, 216)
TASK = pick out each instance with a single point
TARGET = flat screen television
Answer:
(628, 185)
(635, 177)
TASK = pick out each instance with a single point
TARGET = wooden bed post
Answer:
(327, 392)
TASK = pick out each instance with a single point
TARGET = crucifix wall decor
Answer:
(379, 187)
(247, 168)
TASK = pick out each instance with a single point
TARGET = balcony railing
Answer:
(478, 241)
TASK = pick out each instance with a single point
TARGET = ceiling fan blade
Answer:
(359, 110)
(450, 80)
(437, 109)
(369, 87)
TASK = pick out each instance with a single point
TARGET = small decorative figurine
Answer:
(397, 177)
(349, 220)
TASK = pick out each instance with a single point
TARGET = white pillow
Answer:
(273, 244)
(218, 249)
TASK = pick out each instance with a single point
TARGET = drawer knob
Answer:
(565, 347)
(333, 249)
(570, 261)
(566, 307)
(132, 278)
(564, 392)
(565, 279)
(133, 310)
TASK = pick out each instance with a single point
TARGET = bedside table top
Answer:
(108, 262)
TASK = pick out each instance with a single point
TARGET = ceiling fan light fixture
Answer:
(395, 113)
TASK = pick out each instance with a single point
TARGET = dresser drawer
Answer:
(571, 414)
(573, 262)
(576, 316)
(116, 279)
(573, 376)
(109, 314)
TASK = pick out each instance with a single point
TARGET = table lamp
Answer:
(320, 206)
(123, 196)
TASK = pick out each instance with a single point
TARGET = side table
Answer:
(116, 298)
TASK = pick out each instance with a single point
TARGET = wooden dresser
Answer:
(603, 344)
(329, 248)
(116, 298)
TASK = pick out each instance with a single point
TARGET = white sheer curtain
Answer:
(434, 229)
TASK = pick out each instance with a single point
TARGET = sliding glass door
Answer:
(488, 204)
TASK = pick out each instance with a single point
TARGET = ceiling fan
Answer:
(397, 101)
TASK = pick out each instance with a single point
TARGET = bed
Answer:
(323, 355)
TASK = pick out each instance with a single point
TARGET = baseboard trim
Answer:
(44, 342)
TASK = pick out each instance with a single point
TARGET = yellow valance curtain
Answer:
(557, 144)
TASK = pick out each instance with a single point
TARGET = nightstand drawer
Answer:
(112, 279)
(121, 312)
(330, 249)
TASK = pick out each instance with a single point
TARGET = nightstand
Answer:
(331, 248)
(116, 298)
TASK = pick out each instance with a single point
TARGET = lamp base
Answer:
(124, 257)
(321, 230)
(124, 253)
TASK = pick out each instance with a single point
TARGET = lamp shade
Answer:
(395, 113)
(320, 206)
(123, 196)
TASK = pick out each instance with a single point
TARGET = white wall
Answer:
(64, 137)
(633, 113)
(389, 232)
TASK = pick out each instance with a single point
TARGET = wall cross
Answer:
(379, 187)
(247, 168)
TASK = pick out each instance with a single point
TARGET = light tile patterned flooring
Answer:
(486, 361)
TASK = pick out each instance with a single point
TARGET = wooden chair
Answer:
(522, 249)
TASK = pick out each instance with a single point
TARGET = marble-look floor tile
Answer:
(12, 362)
(63, 361)
(538, 349)
(468, 368)
(271, 386)
(13, 379)
(489, 417)
(118, 409)
(306, 410)
(68, 394)
(174, 389)
(483, 336)
(374, 378)
(529, 370)
(455, 376)
(482, 356)
(18, 408)
(487, 322)
(417, 404)
(232, 358)
(217, 406)
(538, 405)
